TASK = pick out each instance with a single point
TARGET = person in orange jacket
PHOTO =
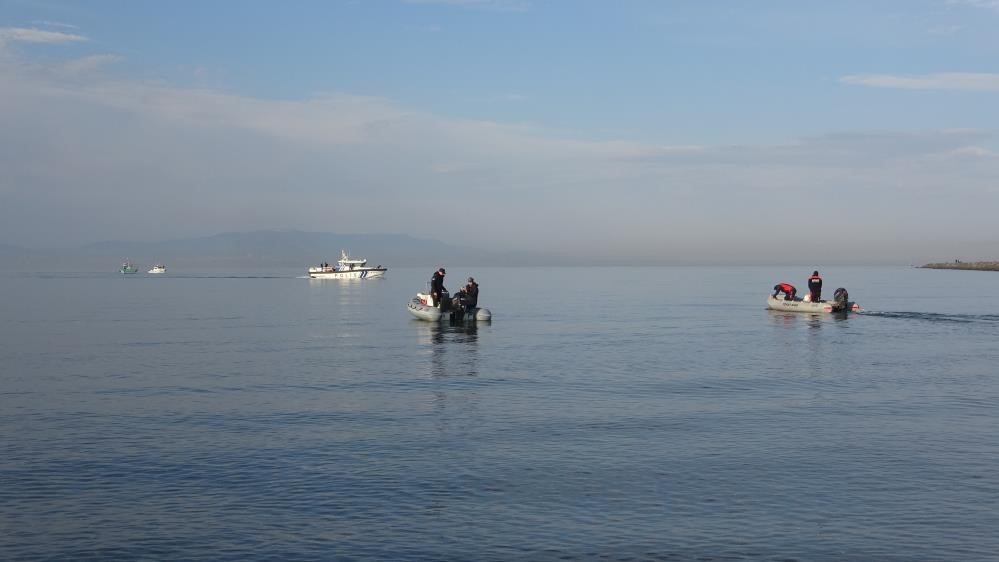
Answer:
(788, 290)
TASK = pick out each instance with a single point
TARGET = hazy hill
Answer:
(274, 248)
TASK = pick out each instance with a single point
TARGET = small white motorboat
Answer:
(346, 268)
(158, 268)
(841, 303)
(422, 307)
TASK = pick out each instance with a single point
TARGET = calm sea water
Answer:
(620, 414)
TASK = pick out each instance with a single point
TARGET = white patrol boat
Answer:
(422, 307)
(158, 268)
(346, 268)
(841, 303)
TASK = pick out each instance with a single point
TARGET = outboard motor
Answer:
(445, 299)
(841, 298)
(459, 306)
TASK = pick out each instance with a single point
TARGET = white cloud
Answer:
(31, 35)
(961, 81)
(55, 24)
(969, 153)
(986, 4)
(90, 63)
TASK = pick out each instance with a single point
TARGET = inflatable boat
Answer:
(422, 307)
(841, 303)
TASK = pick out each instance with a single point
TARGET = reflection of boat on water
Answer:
(346, 268)
(453, 348)
(158, 268)
(841, 303)
(422, 307)
(128, 267)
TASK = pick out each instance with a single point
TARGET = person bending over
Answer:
(786, 288)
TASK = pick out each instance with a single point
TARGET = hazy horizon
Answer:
(294, 249)
(644, 132)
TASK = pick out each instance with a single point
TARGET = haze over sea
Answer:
(622, 413)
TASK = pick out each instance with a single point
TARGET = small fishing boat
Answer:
(422, 307)
(841, 303)
(158, 268)
(346, 268)
(128, 267)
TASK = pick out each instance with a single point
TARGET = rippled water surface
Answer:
(620, 414)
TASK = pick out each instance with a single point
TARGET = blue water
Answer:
(622, 414)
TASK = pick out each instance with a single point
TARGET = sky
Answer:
(653, 132)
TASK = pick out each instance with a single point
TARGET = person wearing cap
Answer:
(815, 286)
(437, 286)
(472, 290)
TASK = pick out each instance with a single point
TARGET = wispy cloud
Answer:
(452, 167)
(48, 23)
(89, 64)
(102, 152)
(494, 5)
(427, 28)
(32, 35)
(500, 98)
(945, 31)
(986, 4)
(962, 81)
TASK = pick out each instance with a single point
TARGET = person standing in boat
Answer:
(815, 286)
(437, 286)
(472, 290)
(786, 288)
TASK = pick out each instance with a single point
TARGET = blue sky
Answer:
(657, 131)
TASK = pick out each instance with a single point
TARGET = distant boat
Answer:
(158, 268)
(128, 267)
(346, 268)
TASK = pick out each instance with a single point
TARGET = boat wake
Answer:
(937, 317)
(196, 276)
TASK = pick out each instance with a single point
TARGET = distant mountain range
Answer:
(278, 248)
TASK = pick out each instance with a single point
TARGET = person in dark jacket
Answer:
(786, 288)
(437, 286)
(815, 286)
(472, 290)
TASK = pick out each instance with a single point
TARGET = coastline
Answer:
(970, 265)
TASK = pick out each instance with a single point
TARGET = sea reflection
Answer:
(814, 336)
(784, 319)
(453, 348)
(813, 321)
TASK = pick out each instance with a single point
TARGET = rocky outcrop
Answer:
(958, 264)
